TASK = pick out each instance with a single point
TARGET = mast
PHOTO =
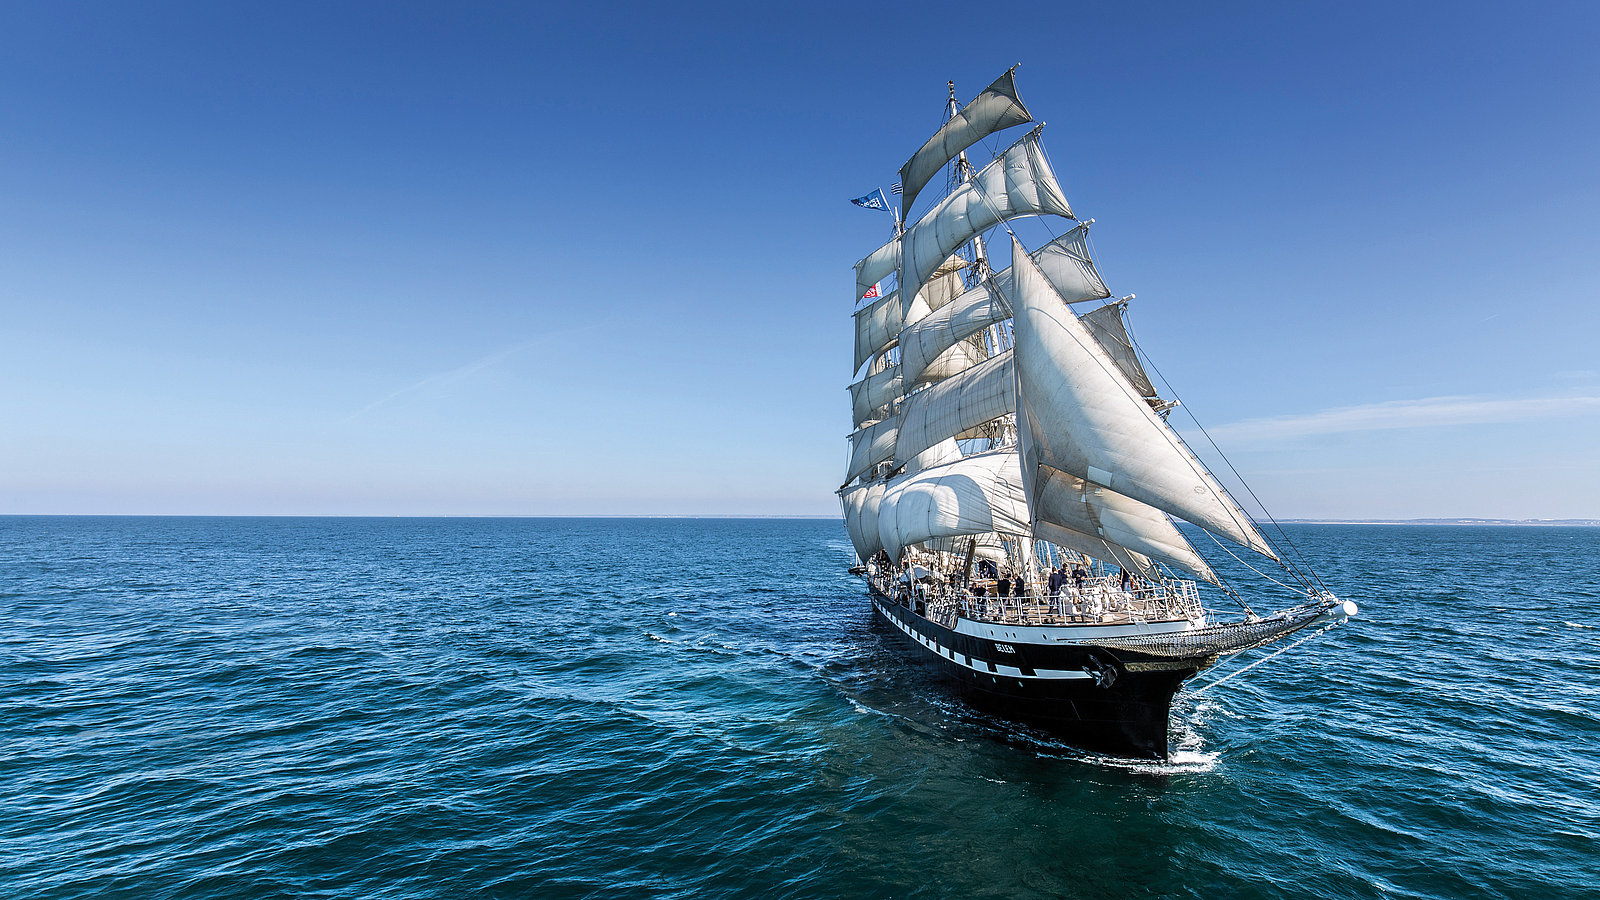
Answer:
(961, 174)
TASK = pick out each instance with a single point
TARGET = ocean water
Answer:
(419, 708)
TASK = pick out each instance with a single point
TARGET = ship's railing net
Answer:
(1214, 640)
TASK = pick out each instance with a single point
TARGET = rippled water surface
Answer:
(703, 708)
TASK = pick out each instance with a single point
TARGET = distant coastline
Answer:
(1533, 523)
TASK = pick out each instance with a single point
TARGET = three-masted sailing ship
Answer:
(1014, 486)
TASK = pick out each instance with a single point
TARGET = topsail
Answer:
(996, 109)
(1018, 183)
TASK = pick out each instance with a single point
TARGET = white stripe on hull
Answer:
(967, 662)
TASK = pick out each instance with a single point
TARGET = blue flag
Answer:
(874, 200)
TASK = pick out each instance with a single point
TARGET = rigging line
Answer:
(1306, 589)
(1170, 436)
(1285, 648)
(1117, 377)
(1314, 577)
(1301, 577)
(1128, 389)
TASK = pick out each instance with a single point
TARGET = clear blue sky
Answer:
(338, 258)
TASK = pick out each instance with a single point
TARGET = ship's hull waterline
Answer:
(1111, 702)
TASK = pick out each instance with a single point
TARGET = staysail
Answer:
(1111, 332)
(1088, 421)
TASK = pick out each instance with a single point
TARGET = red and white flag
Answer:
(872, 293)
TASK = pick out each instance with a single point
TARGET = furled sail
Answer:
(1019, 182)
(1109, 329)
(984, 392)
(1088, 421)
(861, 517)
(996, 109)
(874, 392)
(973, 495)
(1066, 265)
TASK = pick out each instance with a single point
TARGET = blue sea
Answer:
(621, 708)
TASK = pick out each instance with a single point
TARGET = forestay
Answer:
(996, 109)
(1088, 421)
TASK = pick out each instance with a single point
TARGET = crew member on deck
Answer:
(1058, 577)
(1004, 587)
(1078, 576)
(1127, 580)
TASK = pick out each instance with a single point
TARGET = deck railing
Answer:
(1098, 600)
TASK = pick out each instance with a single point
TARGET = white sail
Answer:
(945, 285)
(984, 546)
(876, 266)
(871, 445)
(978, 395)
(973, 495)
(861, 517)
(1095, 547)
(1091, 423)
(874, 392)
(1108, 328)
(1019, 182)
(1066, 265)
(951, 363)
(996, 109)
(1075, 504)
(877, 325)
(940, 330)
(945, 451)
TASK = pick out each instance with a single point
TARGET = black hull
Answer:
(1114, 702)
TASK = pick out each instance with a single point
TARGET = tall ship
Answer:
(1014, 490)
